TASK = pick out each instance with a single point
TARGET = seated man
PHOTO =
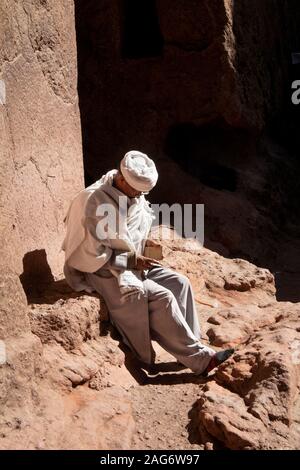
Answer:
(145, 300)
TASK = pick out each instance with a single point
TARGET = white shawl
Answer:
(87, 254)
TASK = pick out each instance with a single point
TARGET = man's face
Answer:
(123, 186)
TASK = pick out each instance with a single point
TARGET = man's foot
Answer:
(217, 359)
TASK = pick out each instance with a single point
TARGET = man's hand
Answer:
(142, 262)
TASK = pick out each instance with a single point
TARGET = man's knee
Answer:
(183, 281)
(164, 298)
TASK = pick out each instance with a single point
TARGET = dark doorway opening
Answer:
(141, 36)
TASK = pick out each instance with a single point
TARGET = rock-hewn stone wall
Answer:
(219, 63)
(41, 168)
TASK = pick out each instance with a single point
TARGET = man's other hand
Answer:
(142, 262)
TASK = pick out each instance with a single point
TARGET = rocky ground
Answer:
(92, 394)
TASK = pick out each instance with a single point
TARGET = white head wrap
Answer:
(139, 170)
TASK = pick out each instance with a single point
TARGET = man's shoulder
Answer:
(95, 198)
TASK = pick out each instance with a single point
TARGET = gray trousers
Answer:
(166, 313)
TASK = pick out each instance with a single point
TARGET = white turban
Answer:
(139, 170)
